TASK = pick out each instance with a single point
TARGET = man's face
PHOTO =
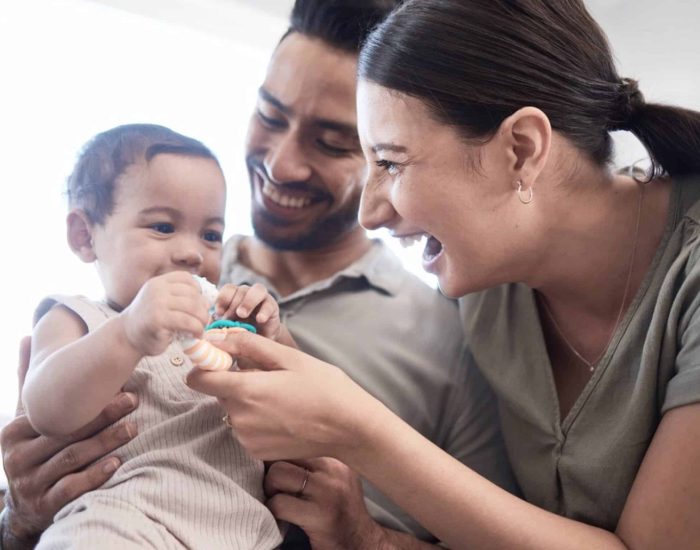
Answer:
(304, 159)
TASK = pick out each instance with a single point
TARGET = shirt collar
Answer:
(379, 267)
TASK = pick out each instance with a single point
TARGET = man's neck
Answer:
(292, 270)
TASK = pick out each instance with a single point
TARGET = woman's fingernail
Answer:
(242, 312)
(215, 335)
(110, 466)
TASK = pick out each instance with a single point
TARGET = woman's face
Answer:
(424, 180)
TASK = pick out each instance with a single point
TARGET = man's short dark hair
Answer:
(343, 24)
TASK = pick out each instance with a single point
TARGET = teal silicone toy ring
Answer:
(225, 323)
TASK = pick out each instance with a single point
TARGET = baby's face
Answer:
(168, 216)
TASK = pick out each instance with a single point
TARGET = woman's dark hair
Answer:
(106, 156)
(475, 62)
(343, 24)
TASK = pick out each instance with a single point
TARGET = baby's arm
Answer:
(74, 374)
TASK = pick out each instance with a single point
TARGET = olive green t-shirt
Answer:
(583, 466)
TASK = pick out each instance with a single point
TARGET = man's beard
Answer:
(320, 234)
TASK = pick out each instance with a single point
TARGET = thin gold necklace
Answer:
(592, 364)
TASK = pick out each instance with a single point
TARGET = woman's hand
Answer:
(299, 407)
(44, 474)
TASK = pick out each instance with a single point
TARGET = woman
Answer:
(486, 126)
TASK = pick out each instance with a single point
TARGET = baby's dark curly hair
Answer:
(106, 157)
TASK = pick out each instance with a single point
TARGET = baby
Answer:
(147, 207)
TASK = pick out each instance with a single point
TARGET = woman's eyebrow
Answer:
(388, 147)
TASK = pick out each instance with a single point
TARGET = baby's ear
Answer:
(80, 235)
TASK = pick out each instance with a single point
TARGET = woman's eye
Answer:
(391, 168)
(213, 236)
(269, 121)
(162, 227)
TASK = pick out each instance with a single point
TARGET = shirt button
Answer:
(177, 360)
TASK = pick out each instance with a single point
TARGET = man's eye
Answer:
(391, 168)
(332, 149)
(269, 121)
(162, 227)
(213, 236)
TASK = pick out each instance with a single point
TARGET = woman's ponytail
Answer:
(671, 135)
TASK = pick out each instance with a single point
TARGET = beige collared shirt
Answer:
(402, 341)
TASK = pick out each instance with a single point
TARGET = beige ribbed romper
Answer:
(185, 481)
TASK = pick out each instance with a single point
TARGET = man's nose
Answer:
(286, 161)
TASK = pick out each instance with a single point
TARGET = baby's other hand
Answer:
(165, 306)
(252, 304)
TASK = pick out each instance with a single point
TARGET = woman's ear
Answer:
(528, 137)
(80, 235)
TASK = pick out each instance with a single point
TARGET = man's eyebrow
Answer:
(267, 96)
(388, 147)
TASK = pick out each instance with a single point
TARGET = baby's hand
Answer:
(165, 306)
(252, 304)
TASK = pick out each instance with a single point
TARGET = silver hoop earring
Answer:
(529, 198)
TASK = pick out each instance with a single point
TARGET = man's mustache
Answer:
(257, 165)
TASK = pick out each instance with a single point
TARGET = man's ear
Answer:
(80, 235)
(528, 137)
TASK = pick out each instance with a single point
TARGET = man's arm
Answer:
(44, 474)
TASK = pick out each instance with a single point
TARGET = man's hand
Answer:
(44, 474)
(328, 504)
(330, 508)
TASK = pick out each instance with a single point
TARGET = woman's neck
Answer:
(599, 248)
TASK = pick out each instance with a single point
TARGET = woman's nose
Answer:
(375, 208)
(285, 161)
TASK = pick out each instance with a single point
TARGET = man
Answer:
(345, 298)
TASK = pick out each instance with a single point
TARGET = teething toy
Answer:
(203, 353)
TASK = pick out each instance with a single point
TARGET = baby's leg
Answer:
(105, 524)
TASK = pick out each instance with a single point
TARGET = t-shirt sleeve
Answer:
(684, 386)
(471, 427)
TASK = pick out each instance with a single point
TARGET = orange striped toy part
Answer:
(206, 355)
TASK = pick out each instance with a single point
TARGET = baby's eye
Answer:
(162, 227)
(213, 236)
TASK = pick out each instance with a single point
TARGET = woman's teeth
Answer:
(410, 240)
(281, 199)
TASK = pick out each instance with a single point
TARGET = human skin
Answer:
(476, 214)
(44, 473)
(297, 148)
(167, 224)
(302, 143)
